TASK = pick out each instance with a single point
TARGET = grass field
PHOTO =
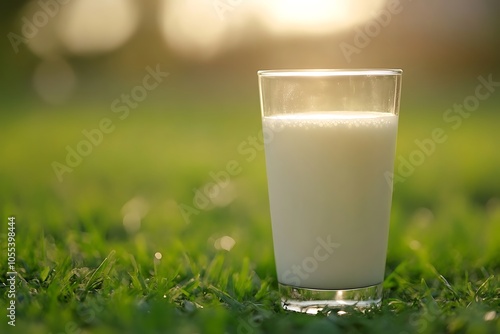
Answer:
(108, 250)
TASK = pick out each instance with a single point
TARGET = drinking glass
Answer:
(330, 141)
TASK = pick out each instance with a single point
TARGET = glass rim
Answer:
(330, 72)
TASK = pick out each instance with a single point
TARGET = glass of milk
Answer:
(330, 141)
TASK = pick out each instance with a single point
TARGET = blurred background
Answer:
(58, 51)
(69, 64)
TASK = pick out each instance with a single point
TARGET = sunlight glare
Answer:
(318, 16)
(203, 29)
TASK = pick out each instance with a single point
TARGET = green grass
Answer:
(80, 270)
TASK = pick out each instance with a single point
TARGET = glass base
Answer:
(312, 301)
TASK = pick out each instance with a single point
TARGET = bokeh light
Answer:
(54, 80)
(224, 243)
(203, 29)
(92, 26)
(191, 27)
(133, 212)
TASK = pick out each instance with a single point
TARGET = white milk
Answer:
(330, 200)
